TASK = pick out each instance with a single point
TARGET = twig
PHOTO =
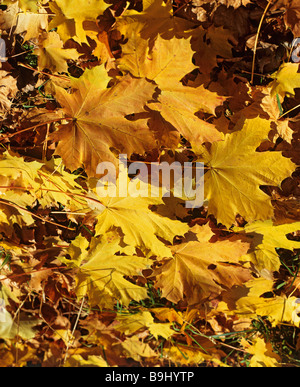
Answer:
(7, 203)
(295, 107)
(33, 127)
(73, 330)
(256, 39)
(43, 72)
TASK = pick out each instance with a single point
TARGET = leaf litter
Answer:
(139, 281)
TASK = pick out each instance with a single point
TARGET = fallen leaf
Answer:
(263, 354)
(286, 79)
(201, 269)
(52, 55)
(235, 166)
(98, 121)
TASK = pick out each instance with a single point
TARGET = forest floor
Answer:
(143, 281)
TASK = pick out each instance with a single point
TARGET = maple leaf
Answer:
(52, 55)
(98, 119)
(248, 301)
(266, 238)
(263, 355)
(131, 323)
(193, 356)
(179, 105)
(141, 226)
(137, 349)
(201, 268)
(59, 187)
(286, 79)
(69, 17)
(48, 183)
(156, 18)
(24, 5)
(9, 328)
(268, 107)
(236, 172)
(165, 62)
(101, 272)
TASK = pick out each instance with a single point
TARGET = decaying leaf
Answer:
(8, 90)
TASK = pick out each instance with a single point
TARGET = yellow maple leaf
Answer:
(69, 17)
(91, 361)
(131, 323)
(236, 172)
(9, 328)
(266, 238)
(142, 227)
(28, 24)
(183, 355)
(49, 183)
(165, 62)
(248, 302)
(178, 105)
(263, 355)
(155, 19)
(286, 79)
(101, 271)
(137, 349)
(25, 5)
(52, 55)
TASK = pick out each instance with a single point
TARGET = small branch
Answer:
(256, 39)
(295, 107)
(73, 330)
(42, 72)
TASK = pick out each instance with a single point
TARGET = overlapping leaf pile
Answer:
(122, 281)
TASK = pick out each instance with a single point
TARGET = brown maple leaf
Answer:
(97, 120)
